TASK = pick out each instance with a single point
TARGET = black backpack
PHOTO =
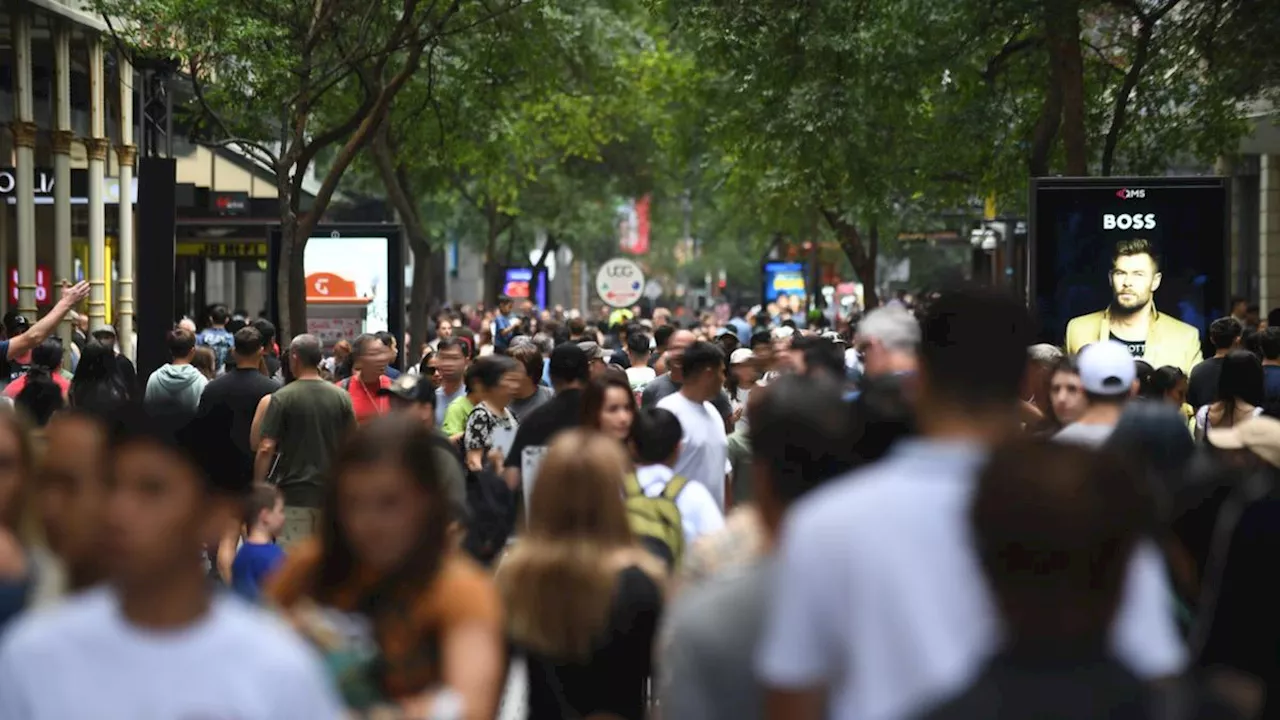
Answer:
(492, 507)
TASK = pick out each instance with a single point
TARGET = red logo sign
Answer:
(44, 285)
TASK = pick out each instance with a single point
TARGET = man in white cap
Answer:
(1109, 378)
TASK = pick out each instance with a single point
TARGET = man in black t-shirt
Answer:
(570, 370)
(239, 390)
(1225, 334)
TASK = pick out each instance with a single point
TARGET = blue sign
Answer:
(518, 283)
(784, 278)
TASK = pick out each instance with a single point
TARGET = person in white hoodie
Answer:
(174, 390)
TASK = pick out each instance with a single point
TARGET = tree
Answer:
(285, 81)
(533, 125)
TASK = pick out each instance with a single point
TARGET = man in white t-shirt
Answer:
(656, 436)
(705, 446)
(881, 608)
(156, 641)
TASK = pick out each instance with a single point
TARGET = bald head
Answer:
(307, 350)
(680, 340)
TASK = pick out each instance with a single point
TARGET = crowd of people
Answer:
(921, 513)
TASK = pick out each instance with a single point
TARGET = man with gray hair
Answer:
(888, 340)
(1042, 360)
(304, 423)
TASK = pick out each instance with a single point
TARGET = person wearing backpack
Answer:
(666, 511)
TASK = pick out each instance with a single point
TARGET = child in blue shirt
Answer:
(259, 555)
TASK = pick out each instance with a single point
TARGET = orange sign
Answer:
(323, 287)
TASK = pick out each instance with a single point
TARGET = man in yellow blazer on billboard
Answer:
(1132, 318)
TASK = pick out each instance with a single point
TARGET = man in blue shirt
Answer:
(504, 325)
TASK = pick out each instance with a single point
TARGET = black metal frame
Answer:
(395, 269)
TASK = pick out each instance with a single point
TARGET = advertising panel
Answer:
(786, 281)
(518, 283)
(354, 279)
(1138, 260)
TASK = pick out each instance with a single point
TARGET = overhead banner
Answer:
(633, 227)
(1138, 260)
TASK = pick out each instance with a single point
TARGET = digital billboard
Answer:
(354, 279)
(1138, 260)
(785, 279)
(518, 283)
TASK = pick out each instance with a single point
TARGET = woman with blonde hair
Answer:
(583, 598)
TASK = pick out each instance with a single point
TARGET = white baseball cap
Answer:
(1106, 368)
(741, 355)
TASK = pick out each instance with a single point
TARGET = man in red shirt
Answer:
(369, 378)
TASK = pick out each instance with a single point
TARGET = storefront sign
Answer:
(223, 250)
(230, 203)
(44, 285)
(44, 183)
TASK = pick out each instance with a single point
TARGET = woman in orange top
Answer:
(402, 618)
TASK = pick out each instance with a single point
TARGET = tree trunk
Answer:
(1120, 111)
(861, 256)
(1062, 29)
(419, 299)
(490, 294)
(396, 182)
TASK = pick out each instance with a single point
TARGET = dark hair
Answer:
(469, 378)
(1154, 436)
(761, 339)
(656, 435)
(530, 359)
(1241, 379)
(1270, 343)
(180, 342)
(1137, 246)
(799, 431)
(406, 443)
(597, 390)
(1273, 318)
(1162, 381)
(1251, 340)
(1236, 300)
(1223, 332)
(204, 442)
(248, 341)
(40, 396)
(974, 347)
(1055, 526)
(488, 371)
(662, 335)
(504, 299)
(266, 330)
(700, 356)
(1253, 308)
(1143, 371)
(882, 414)
(261, 497)
(48, 354)
(218, 315)
(638, 343)
(577, 326)
(96, 381)
(385, 338)
(823, 355)
(569, 363)
(453, 343)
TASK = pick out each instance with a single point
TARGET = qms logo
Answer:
(1128, 194)
(1138, 221)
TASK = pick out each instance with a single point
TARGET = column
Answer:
(1269, 232)
(62, 139)
(126, 153)
(24, 140)
(97, 144)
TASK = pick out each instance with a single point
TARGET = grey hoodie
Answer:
(178, 386)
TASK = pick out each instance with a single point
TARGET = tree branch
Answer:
(1119, 112)
(1011, 48)
(266, 156)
